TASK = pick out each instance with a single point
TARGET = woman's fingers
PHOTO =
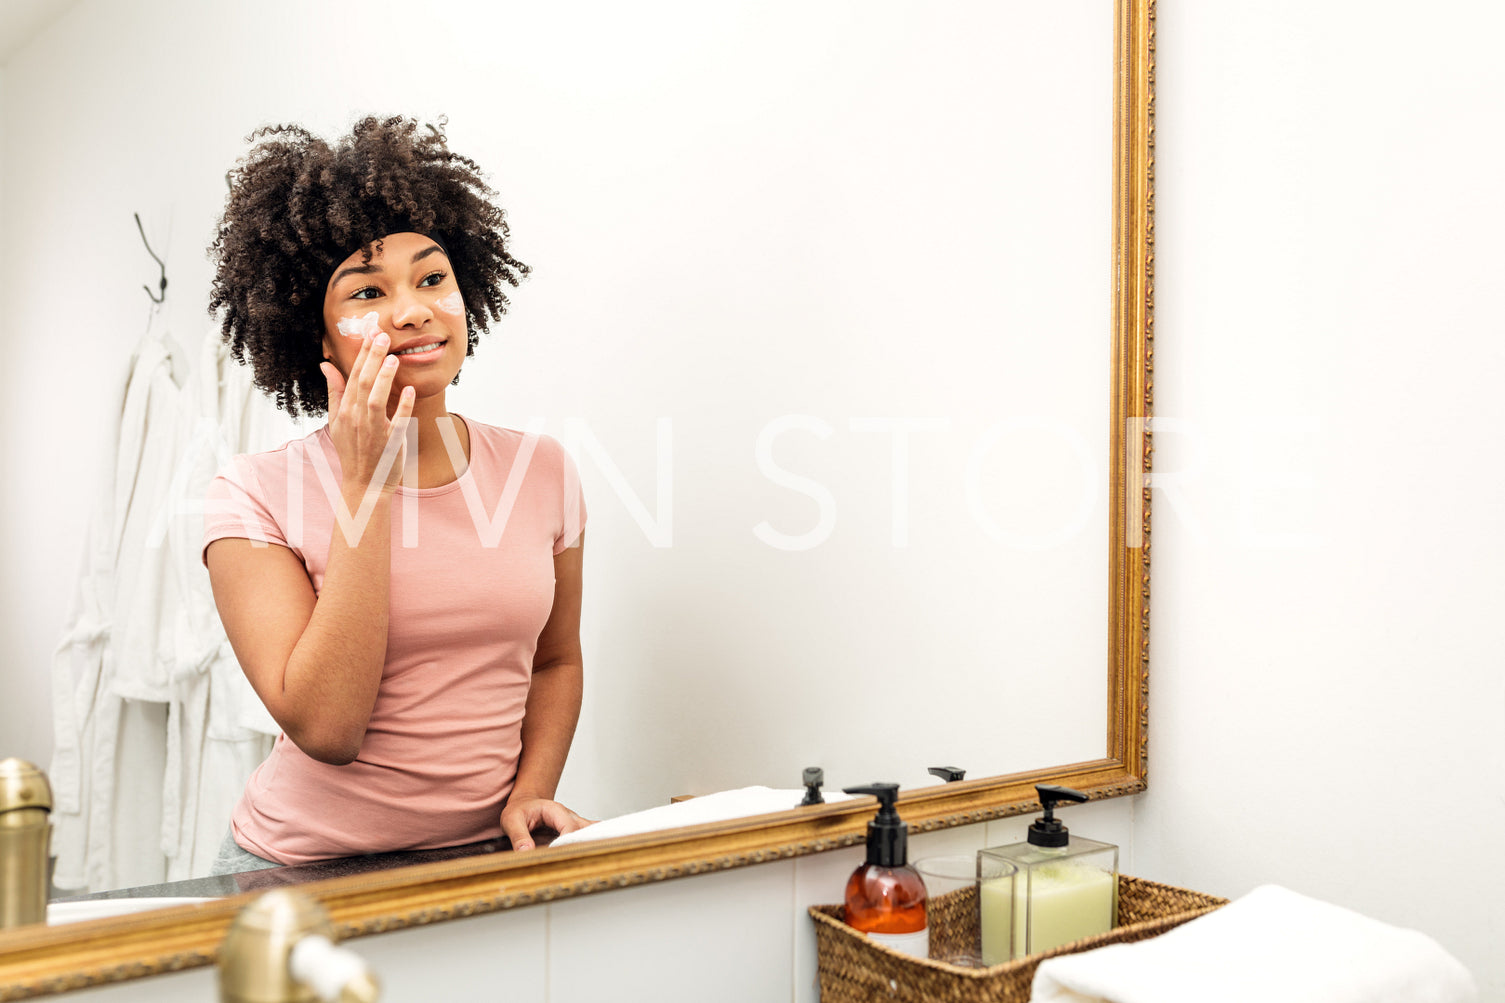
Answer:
(521, 818)
(347, 384)
(359, 363)
(335, 382)
(570, 821)
(369, 443)
(364, 395)
(381, 385)
(397, 437)
(401, 416)
(371, 366)
(404, 406)
(371, 376)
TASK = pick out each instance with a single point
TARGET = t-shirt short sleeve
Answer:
(572, 504)
(236, 507)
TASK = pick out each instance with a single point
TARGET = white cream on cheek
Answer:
(360, 327)
(452, 304)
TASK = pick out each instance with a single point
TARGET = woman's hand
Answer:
(524, 814)
(369, 444)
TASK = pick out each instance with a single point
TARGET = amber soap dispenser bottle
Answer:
(885, 896)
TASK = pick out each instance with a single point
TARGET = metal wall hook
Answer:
(162, 286)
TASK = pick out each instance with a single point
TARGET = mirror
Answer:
(786, 222)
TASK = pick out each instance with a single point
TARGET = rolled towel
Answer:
(1271, 944)
(716, 807)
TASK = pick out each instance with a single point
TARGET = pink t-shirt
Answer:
(472, 586)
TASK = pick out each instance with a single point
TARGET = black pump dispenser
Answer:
(1048, 831)
(887, 835)
(813, 777)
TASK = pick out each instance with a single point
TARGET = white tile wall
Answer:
(819, 879)
(501, 956)
(735, 936)
(725, 936)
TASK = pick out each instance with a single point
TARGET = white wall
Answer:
(741, 936)
(1328, 678)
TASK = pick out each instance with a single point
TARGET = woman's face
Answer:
(407, 292)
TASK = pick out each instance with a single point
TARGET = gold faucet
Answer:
(281, 949)
(25, 840)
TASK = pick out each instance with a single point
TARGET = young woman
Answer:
(401, 588)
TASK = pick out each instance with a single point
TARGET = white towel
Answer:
(1272, 944)
(716, 807)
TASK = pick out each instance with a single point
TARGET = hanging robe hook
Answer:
(162, 286)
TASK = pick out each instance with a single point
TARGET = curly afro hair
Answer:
(299, 206)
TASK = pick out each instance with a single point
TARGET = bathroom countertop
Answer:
(295, 874)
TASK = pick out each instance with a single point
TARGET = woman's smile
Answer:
(423, 350)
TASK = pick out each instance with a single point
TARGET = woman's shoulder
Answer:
(496, 449)
(270, 466)
(510, 439)
(319, 437)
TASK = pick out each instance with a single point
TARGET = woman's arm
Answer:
(316, 661)
(552, 711)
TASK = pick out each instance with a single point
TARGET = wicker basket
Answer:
(856, 969)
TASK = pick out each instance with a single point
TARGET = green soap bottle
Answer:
(1066, 887)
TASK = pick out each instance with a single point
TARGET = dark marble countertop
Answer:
(295, 874)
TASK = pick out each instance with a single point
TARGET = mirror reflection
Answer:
(820, 314)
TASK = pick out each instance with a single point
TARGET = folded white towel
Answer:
(1272, 944)
(716, 807)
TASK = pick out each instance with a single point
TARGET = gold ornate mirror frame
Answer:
(36, 961)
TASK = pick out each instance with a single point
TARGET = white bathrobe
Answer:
(156, 728)
(98, 846)
(218, 729)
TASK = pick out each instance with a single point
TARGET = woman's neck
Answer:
(443, 444)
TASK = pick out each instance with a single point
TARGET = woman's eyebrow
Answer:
(373, 268)
(354, 270)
